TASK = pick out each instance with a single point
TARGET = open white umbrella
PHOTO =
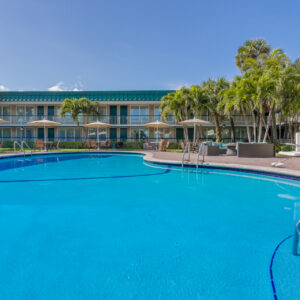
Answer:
(2, 121)
(97, 125)
(194, 122)
(157, 124)
(44, 123)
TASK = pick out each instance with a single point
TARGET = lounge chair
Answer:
(163, 145)
(92, 144)
(108, 144)
(182, 144)
(55, 145)
(39, 144)
(148, 146)
(102, 144)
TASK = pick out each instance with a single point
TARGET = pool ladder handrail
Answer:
(24, 143)
(201, 150)
(296, 238)
(186, 148)
(20, 146)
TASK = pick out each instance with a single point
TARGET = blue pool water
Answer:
(105, 226)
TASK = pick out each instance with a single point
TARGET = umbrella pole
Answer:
(97, 139)
(157, 138)
(45, 145)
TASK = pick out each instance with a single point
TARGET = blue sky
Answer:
(134, 44)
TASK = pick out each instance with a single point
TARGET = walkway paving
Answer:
(291, 164)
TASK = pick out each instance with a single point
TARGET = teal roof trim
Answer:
(48, 96)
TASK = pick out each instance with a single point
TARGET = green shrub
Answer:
(132, 145)
(173, 145)
(287, 148)
(72, 145)
(8, 144)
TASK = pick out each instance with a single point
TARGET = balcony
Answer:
(13, 120)
(123, 121)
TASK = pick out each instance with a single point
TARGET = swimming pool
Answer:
(110, 226)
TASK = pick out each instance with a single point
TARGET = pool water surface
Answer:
(109, 226)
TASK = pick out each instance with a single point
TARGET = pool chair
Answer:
(92, 144)
(108, 144)
(39, 144)
(102, 144)
(148, 146)
(55, 145)
(163, 145)
(182, 144)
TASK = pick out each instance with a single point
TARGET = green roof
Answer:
(34, 96)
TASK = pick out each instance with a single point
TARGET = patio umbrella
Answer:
(157, 124)
(2, 121)
(44, 123)
(97, 125)
(195, 122)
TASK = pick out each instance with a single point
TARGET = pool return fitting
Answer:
(296, 238)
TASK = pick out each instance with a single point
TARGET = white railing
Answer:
(201, 150)
(186, 148)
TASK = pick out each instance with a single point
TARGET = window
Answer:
(5, 133)
(5, 113)
(156, 113)
(70, 134)
(139, 114)
(139, 134)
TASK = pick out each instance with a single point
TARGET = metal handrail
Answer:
(20, 145)
(199, 152)
(24, 143)
(296, 238)
(184, 152)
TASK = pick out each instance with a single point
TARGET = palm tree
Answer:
(213, 91)
(75, 107)
(227, 105)
(179, 103)
(251, 50)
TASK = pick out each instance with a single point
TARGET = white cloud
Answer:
(177, 86)
(57, 87)
(60, 86)
(3, 88)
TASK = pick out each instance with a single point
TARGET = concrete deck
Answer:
(291, 164)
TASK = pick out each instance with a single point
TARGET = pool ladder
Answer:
(296, 238)
(22, 148)
(200, 151)
(186, 148)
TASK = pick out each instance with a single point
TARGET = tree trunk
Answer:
(268, 124)
(247, 125)
(274, 129)
(218, 128)
(261, 116)
(254, 126)
(185, 134)
(232, 129)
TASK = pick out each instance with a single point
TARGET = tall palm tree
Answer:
(251, 50)
(213, 91)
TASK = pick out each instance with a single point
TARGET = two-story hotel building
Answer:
(125, 111)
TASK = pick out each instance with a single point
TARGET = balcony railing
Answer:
(21, 120)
